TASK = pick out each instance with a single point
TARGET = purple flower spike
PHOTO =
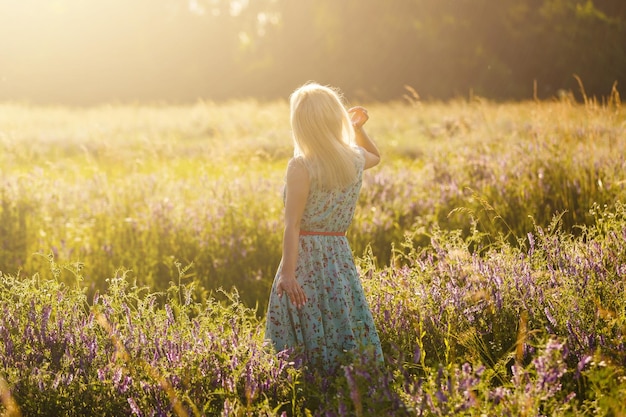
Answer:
(134, 407)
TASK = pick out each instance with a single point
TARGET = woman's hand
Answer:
(359, 116)
(294, 291)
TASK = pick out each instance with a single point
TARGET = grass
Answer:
(142, 187)
(138, 245)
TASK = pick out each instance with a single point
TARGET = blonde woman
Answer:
(317, 306)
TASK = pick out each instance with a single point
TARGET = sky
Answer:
(70, 50)
(81, 52)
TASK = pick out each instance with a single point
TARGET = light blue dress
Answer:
(336, 318)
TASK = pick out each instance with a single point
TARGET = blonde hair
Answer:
(323, 135)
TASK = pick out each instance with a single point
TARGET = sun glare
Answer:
(74, 51)
(66, 49)
(196, 8)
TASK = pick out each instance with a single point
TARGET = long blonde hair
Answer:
(323, 135)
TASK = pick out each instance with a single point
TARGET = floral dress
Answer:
(336, 317)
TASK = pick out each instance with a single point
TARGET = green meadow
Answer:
(138, 244)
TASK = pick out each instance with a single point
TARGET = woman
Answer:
(317, 305)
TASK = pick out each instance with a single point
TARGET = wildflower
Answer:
(417, 354)
(134, 407)
(117, 376)
(499, 394)
(531, 241)
(584, 361)
(355, 396)
(101, 374)
(170, 314)
(125, 384)
(549, 316)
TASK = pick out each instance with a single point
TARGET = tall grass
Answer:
(462, 334)
(143, 187)
(490, 243)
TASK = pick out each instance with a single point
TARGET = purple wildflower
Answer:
(170, 314)
(134, 407)
(584, 361)
(550, 317)
(355, 396)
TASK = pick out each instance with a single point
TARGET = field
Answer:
(138, 244)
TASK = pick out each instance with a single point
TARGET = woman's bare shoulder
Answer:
(297, 168)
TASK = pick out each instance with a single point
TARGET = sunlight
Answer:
(71, 49)
(265, 19)
(196, 8)
(237, 6)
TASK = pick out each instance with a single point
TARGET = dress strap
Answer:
(319, 233)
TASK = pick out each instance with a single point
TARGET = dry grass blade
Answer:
(522, 335)
(11, 408)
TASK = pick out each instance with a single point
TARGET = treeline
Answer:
(180, 50)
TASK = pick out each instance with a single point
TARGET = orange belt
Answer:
(312, 233)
